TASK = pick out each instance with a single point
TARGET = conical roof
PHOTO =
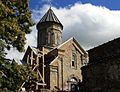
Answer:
(50, 17)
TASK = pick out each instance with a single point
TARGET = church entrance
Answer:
(73, 85)
(74, 88)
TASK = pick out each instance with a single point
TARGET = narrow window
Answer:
(58, 40)
(74, 59)
(49, 37)
(52, 35)
(73, 63)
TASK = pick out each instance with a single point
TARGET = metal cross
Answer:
(50, 2)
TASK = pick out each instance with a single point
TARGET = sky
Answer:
(111, 4)
(90, 22)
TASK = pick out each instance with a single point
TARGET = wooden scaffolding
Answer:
(35, 63)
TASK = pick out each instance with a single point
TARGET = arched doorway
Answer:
(73, 84)
(74, 87)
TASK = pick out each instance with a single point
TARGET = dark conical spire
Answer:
(50, 17)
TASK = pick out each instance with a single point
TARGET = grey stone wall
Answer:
(103, 76)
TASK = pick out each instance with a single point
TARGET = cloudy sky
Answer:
(91, 22)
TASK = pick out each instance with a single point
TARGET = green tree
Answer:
(15, 20)
(12, 76)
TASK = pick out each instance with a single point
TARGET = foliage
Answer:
(15, 20)
(2, 52)
(12, 76)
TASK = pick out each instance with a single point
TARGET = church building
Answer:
(58, 63)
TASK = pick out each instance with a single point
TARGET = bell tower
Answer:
(49, 31)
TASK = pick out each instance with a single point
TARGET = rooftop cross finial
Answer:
(50, 3)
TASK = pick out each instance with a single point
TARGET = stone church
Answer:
(59, 63)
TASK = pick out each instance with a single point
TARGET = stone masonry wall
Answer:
(65, 70)
(103, 76)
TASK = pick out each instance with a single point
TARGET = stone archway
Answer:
(73, 83)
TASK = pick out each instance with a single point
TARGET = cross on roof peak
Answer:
(50, 3)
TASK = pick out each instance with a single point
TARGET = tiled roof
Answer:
(50, 17)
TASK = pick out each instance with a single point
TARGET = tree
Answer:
(12, 76)
(15, 20)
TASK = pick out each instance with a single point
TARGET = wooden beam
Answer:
(34, 67)
(21, 86)
(58, 74)
(31, 58)
(41, 76)
(43, 63)
(28, 59)
(43, 84)
(37, 62)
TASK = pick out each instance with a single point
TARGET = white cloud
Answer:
(14, 54)
(31, 40)
(90, 25)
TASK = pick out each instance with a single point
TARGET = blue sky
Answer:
(91, 19)
(90, 22)
(111, 4)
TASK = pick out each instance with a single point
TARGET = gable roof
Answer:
(63, 44)
(29, 49)
(49, 57)
(76, 42)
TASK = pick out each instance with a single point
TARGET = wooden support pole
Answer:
(34, 68)
(62, 71)
(58, 75)
(28, 59)
(43, 64)
(21, 86)
(37, 62)
(41, 77)
(31, 58)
